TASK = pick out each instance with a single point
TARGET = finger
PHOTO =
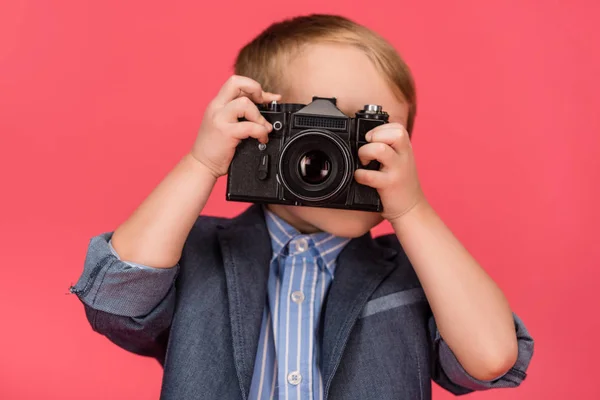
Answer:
(246, 129)
(379, 152)
(374, 179)
(396, 137)
(391, 125)
(242, 107)
(237, 86)
(234, 86)
(261, 98)
(268, 97)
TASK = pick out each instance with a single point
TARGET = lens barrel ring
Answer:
(342, 165)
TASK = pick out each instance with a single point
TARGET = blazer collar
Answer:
(361, 268)
(246, 251)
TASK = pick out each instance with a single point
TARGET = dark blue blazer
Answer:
(201, 320)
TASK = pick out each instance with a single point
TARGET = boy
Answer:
(297, 302)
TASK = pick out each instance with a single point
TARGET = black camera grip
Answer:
(373, 165)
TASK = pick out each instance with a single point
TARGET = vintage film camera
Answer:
(310, 158)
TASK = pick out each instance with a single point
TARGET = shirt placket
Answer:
(293, 322)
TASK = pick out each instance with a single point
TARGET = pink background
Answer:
(99, 99)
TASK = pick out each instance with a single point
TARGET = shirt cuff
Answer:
(122, 288)
(513, 378)
(131, 264)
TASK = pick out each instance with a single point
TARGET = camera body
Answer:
(309, 160)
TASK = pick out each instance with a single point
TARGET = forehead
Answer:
(344, 72)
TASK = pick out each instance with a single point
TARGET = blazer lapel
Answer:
(246, 250)
(361, 267)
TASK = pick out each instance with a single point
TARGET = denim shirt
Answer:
(205, 320)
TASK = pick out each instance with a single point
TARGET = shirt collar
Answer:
(326, 245)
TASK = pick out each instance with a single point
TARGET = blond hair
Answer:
(264, 58)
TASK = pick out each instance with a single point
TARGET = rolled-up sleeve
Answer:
(449, 373)
(120, 288)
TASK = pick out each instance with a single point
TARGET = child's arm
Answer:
(471, 312)
(128, 288)
(155, 233)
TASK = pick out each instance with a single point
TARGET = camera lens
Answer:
(314, 167)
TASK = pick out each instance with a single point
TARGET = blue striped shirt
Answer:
(302, 268)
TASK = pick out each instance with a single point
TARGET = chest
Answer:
(372, 328)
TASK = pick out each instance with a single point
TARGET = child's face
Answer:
(346, 73)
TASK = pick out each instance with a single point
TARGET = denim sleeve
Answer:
(111, 285)
(131, 304)
(449, 374)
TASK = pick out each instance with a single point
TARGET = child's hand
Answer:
(221, 131)
(396, 181)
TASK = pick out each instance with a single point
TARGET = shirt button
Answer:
(301, 245)
(294, 378)
(298, 297)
